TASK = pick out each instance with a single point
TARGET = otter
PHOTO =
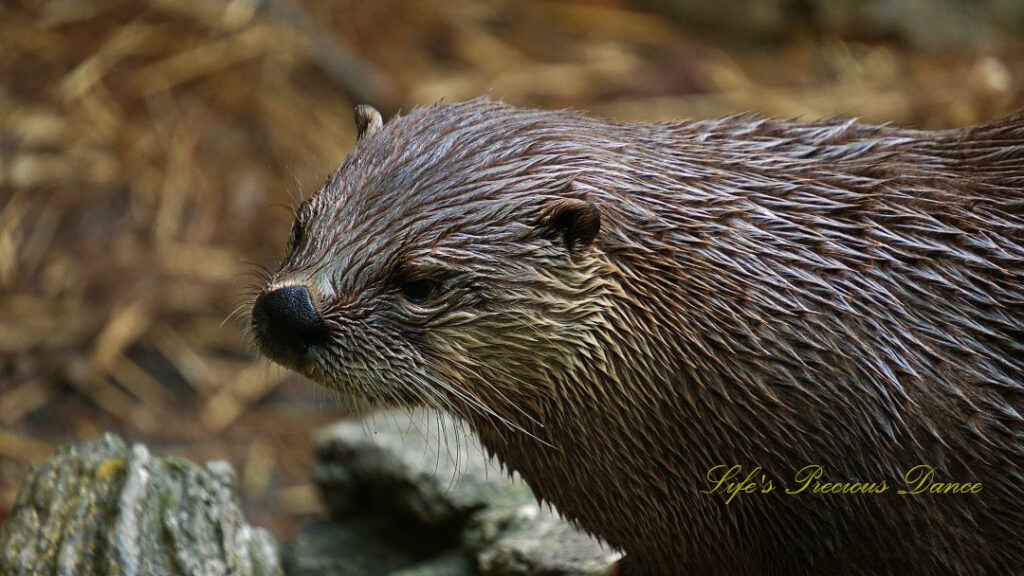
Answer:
(664, 328)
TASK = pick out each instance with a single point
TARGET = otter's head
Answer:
(452, 260)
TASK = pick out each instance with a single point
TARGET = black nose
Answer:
(286, 319)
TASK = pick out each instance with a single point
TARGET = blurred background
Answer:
(151, 152)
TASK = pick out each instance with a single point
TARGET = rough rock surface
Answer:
(106, 510)
(425, 472)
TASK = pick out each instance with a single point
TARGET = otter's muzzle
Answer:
(287, 323)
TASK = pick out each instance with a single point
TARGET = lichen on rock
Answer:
(105, 509)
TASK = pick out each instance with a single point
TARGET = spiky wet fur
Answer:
(761, 292)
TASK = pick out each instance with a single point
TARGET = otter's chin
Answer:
(301, 360)
(397, 393)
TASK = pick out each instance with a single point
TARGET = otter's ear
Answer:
(575, 221)
(368, 120)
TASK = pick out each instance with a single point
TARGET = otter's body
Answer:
(619, 309)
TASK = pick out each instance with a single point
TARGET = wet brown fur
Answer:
(759, 292)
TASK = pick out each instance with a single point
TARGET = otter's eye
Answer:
(418, 291)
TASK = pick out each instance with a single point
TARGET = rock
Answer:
(533, 540)
(451, 564)
(420, 465)
(102, 509)
(425, 470)
(363, 545)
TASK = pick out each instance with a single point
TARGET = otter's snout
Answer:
(287, 323)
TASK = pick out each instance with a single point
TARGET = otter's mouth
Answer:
(287, 326)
